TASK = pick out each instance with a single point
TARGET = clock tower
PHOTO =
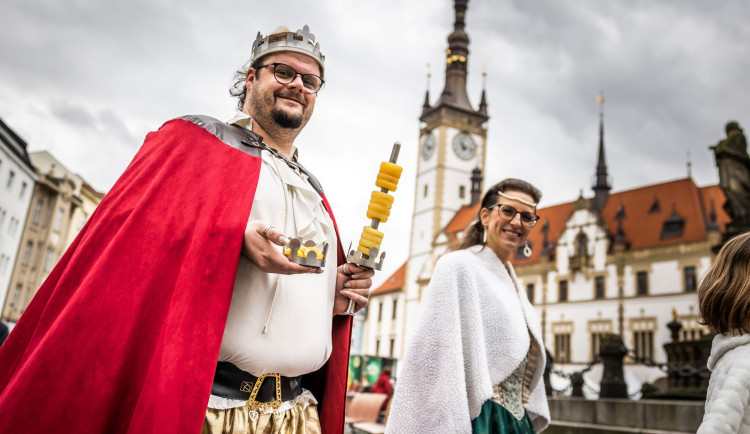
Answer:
(453, 137)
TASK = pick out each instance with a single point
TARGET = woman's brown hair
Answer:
(474, 233)
(724, 293)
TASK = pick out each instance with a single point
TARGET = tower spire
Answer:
(483, 100)
(426, 105)
(454, 92)
(601, 186)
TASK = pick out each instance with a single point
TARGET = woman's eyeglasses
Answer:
(507, 212)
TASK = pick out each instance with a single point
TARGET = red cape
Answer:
(124, 335)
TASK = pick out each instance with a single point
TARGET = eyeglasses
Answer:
(507, 212)
(285, 74)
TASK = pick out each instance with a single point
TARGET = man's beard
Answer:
(285, 120)
(263, 110)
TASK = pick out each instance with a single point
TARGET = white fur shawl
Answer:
(470, 334)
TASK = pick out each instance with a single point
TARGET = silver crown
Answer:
(312, 255)
(301, 41)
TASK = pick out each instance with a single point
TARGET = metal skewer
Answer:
(358, 258)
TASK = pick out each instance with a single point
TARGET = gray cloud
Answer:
(87, 80)
(73, 114)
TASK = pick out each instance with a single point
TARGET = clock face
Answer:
(428, 145)
(464, 146)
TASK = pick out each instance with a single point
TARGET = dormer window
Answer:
(655, 207)
(674, 226)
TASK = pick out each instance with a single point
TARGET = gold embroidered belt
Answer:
(268, 390)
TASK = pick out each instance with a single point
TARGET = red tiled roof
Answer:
(461, 220)
(646, 209)
(643, 227)
(394, 283)
(714, 195)
(555, 216)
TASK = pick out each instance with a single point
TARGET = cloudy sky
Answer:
(88, 79)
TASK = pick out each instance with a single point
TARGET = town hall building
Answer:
(624, 262)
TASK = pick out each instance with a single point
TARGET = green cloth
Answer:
(495, 419)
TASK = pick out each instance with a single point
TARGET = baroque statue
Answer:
(733, 163)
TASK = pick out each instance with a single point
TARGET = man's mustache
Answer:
(291, 95)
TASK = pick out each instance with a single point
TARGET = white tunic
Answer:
(298, 338)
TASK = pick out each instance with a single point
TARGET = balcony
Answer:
(579, 263)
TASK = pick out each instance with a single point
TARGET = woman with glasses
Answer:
(475, 357)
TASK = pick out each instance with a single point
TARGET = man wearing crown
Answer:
(175, 310)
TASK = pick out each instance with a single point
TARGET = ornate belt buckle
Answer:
(256, 407)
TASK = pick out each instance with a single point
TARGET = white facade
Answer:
(17, 179)
(582, 294)
(60, 204)
(89, 198)
(384, 324)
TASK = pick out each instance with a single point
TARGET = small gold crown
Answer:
(282, 39)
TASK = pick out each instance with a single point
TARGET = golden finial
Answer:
(674, 314)
(600, 101)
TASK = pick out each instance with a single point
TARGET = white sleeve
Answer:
(727, 398)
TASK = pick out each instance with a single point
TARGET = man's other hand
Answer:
(352, 283)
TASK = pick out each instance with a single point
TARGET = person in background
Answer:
(475, 359)
(383, 385)
(724, 301)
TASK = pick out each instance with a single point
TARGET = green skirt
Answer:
(496, 419)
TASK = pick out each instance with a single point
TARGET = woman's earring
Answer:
(527, 249)
(484, 235)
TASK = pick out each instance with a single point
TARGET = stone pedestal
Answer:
(613, 381)
(576, 381)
